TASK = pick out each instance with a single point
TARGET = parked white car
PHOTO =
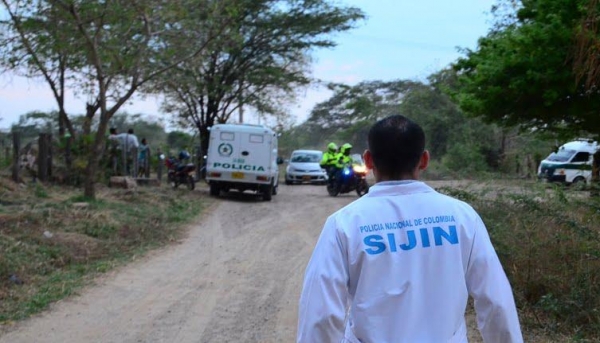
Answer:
(304, 167)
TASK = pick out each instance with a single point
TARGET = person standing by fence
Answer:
(128, 142)
(143, 161)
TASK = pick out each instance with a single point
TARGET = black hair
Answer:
(113, 130)
(130, 131)
(396, 144)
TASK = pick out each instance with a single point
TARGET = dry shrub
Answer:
(77, 247)
(549, 245)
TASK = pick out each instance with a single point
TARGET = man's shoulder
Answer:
(450, 201)
(433, 197)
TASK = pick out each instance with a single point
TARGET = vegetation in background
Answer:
(258, 63)
(242, 51)
(532, 69)
(548, 241)
(460, 146)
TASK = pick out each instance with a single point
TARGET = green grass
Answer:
(85, 241)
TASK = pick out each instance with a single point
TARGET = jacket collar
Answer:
(387, 188)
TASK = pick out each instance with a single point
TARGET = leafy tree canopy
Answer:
(258, 63)
(523, 72)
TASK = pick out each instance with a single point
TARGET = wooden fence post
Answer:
(160, 166)
(124, 161)
(68, 157)
(147, 163)
(134, 162)
(16, 148)
(50, 155)
(42, 158)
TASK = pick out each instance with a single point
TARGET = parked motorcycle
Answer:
(352, 177)
(180, 173)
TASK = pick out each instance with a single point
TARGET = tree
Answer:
(36, 47)
(114, 48)
(178, 140)
(522, 73)
(587, 48)
(351, 105)
(257, 64)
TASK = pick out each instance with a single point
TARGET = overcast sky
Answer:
(399, 40)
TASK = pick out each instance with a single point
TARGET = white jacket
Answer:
(398, 265)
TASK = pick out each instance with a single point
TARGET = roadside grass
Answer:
(53, 241)
(548, 239)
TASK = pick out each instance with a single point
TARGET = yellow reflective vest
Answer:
(329, 159)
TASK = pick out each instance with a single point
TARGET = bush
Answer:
(549, 244)
(465, 158)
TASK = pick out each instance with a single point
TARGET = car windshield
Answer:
(562, 155)
(305, 157)
(357, 159)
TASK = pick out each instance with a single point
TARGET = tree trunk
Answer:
(42, 158)
(16, 147)
(94, 157)
(90, 176)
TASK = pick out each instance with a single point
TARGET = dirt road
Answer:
(236, 277)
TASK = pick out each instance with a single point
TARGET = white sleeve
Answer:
(497, 317)
(324, 297)
(135, 141)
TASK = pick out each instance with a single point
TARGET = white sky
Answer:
(399, 40)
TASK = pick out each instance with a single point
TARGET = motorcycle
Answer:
(180, 173)
(352, 177)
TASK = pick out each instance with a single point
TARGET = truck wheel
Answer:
(215, 190)
(268, 192)
(579, 183)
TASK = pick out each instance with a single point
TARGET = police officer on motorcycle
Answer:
(330, 160)
(343, 159)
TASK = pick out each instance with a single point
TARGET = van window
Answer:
(227, 136)
(581, 157)
(562, 155)
(257, 138)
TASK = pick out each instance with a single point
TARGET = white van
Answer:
(242, 157)
(571, 163)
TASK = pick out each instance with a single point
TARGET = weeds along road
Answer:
(236, 277)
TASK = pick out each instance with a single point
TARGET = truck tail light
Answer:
(213, 174)
(262, 178)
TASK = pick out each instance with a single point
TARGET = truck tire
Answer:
(215, 190)
(268, 192)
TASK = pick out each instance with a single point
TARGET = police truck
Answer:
(571, 163)
(242, 157)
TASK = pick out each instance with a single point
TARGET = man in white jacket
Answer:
(399, 264)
